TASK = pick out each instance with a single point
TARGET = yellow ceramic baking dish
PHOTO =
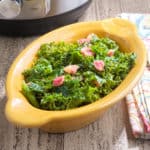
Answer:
(20, 112)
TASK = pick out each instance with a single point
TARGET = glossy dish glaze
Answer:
(20, 112)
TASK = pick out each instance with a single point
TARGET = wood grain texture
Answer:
(111, 132)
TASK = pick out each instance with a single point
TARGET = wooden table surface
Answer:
(111, 132)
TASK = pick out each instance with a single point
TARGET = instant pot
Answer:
(30, 17)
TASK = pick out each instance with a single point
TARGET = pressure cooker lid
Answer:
(25, 27)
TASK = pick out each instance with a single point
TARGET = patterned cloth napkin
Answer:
(138, 100)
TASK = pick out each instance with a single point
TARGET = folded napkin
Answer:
(138, 100)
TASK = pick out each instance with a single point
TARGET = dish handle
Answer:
(21, 113)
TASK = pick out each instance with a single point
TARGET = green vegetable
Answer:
(83, 86)
(29, 94)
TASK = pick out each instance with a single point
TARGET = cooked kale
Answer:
(96, 67)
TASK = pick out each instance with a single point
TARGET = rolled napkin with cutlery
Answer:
(138, 100)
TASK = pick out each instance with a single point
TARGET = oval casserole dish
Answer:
(20, 112)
